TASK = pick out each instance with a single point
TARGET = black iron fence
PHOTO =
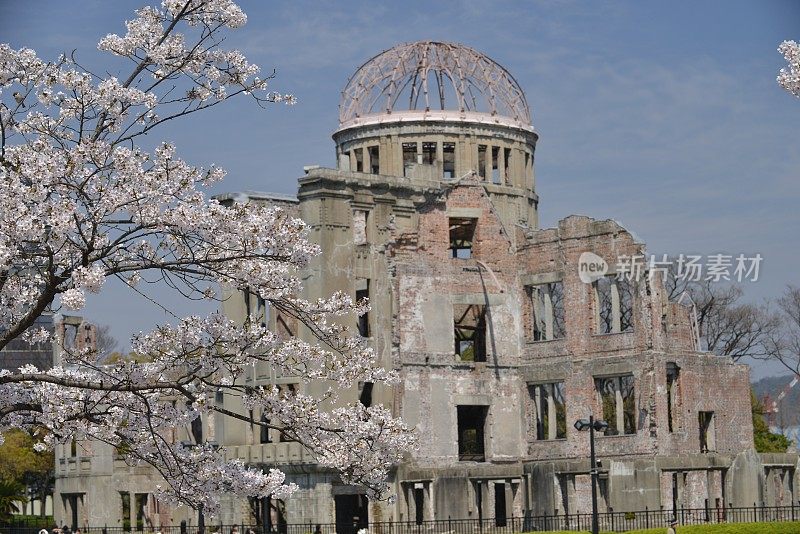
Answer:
(608, 521)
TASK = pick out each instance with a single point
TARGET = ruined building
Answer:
(501, 346)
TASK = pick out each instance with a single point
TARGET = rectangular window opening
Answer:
(462, 235)
(262, 311)
(506, 160)
(359, 152)
(471, 429)
(419, 505)
(673, 374)
(613, 299)
(365, 397)
(140, 500)
(549, 410)
(618, 403)
(362, 293)
(285, 326)
(495, 168)
(374, 159)
(409, 157)
(547, 311)
(527, 164)
(286, 390)
(126, 510)
(482, 161)
(707, 431)
(264, 428)
(469, 324)
(197, 430)
(500, 517)
(428, 152)
(449, 163)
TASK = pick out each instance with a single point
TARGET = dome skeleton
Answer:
(432, 70)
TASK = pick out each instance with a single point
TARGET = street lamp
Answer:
(592, 426)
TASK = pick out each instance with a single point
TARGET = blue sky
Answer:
(665, 116)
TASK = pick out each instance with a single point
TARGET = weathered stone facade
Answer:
(500, 346)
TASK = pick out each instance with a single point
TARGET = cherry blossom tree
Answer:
(82, 201)
(789, 77)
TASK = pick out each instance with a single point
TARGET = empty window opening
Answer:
(673, 373)
(547, 311)
(500, 518)
(274, 511)
(73, 448)
(477, 486)
(126, 510)
(470, 332)
(506, 159)
(462, 235)
(285, 391)
(495, 168)
(409, 157)
(360, 219)
(527, 165)
(359, 153)
(449, 163)
(140, 501)
(428, 152)
(614, 305)
(471, 425)
(374, 159)
(419, 505)
(362, 293)
(549, 410)
(618, 403)
(352, 513)
(197, 430)
(707, 431)
(264, 429)
(262, 311)
(482, 161)
(285, 326)
(365, 397)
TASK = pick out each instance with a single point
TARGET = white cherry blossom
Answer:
(82, 201)
(789, 77)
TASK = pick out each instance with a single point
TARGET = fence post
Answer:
(646, 517)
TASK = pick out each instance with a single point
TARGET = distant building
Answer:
(19, 353)
(500, 341)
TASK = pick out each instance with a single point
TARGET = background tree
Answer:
(81, 201)
(764, 440)
(12, 493)
(19, 462)
(727, 326)
(106, 343)
(786, 342)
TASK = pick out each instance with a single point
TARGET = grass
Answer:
(792, 527)
(731, 528)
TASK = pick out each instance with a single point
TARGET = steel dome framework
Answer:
(427, 76)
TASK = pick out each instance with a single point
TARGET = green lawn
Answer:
(729, 528)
